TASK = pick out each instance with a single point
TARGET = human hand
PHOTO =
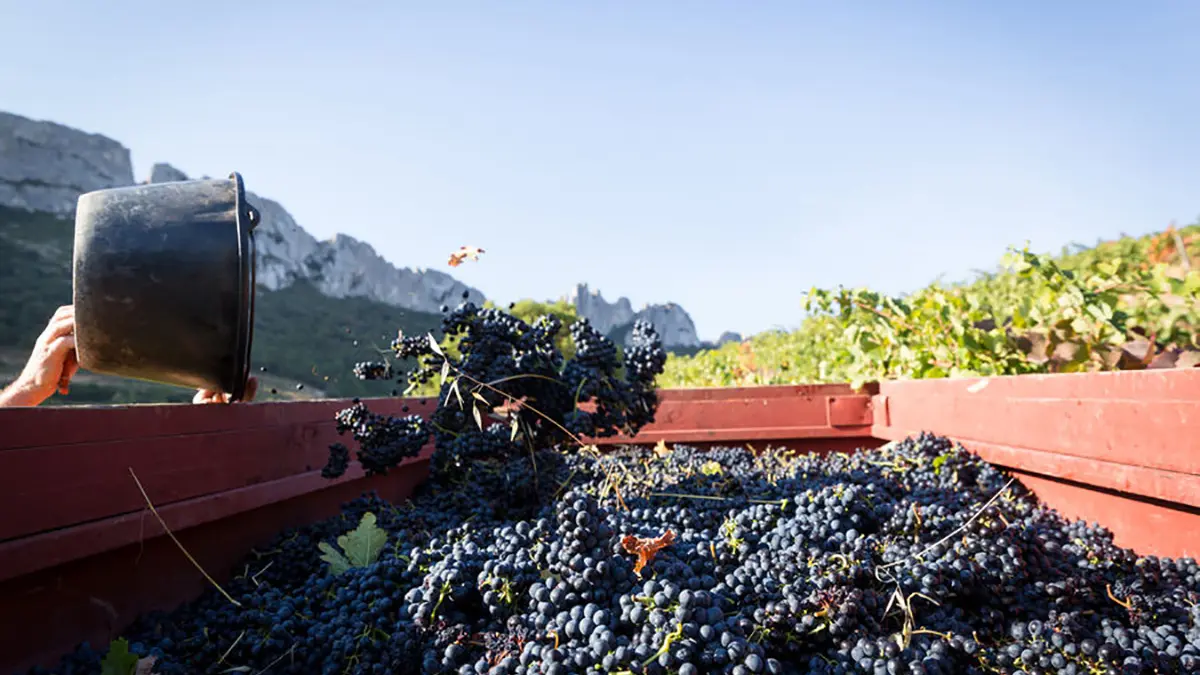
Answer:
(209, 396)
(51, 365)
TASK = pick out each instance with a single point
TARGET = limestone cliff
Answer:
(340, 267)
(46, 166)
(672, 322)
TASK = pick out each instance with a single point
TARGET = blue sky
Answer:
(726, 156)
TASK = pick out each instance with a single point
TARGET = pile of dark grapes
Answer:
(915, 558)
(504, 363)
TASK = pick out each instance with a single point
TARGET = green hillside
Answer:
(301, 336)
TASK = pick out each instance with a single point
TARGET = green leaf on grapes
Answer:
(119, 660)
(360, 547)
(938, 462)
(337, 562)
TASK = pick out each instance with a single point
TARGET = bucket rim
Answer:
(247, 219)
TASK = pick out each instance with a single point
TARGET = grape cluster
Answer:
(503, 362)
(339, 461)
(917, 558)
(384, 441)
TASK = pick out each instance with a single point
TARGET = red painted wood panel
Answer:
(1096, 416)
(45, 426)
(1171, 486)
(1148, 528)
(756, 414)
(1128, 385)
(270, 442)
(762, 391)
(28, 554)
(47, 612)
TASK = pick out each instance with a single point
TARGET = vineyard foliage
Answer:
(1125, 304)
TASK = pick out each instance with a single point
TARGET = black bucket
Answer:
(164, 283)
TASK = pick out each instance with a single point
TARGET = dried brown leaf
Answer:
(645, 549)
(1188, 359)
(462, 254)
(510, 406)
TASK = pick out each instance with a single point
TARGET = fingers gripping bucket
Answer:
(164, 278)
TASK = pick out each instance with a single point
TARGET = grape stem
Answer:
(177, 542)
(953, 534)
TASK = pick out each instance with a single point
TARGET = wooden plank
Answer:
(1170, 486)
(1146, 527)
(54, 486)
(48, 426)
(800, 411)
(1159, 432)
(1147, 386)
(734, 437)
(759, 392)
(805, 413)
(45, 550)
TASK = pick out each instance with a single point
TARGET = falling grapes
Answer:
(504, 361)
(373, 370)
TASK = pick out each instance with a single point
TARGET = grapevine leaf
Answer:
(337, 562)
(364, 544)
(119, 660)
(478, 417)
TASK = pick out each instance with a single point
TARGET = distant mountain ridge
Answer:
(45, 166)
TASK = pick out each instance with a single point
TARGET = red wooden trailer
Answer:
(81, 555)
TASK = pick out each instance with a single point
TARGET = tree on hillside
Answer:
(530, 310)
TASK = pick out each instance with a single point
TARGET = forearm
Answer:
(18, 395)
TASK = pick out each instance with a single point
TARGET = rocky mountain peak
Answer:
(672, 322)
